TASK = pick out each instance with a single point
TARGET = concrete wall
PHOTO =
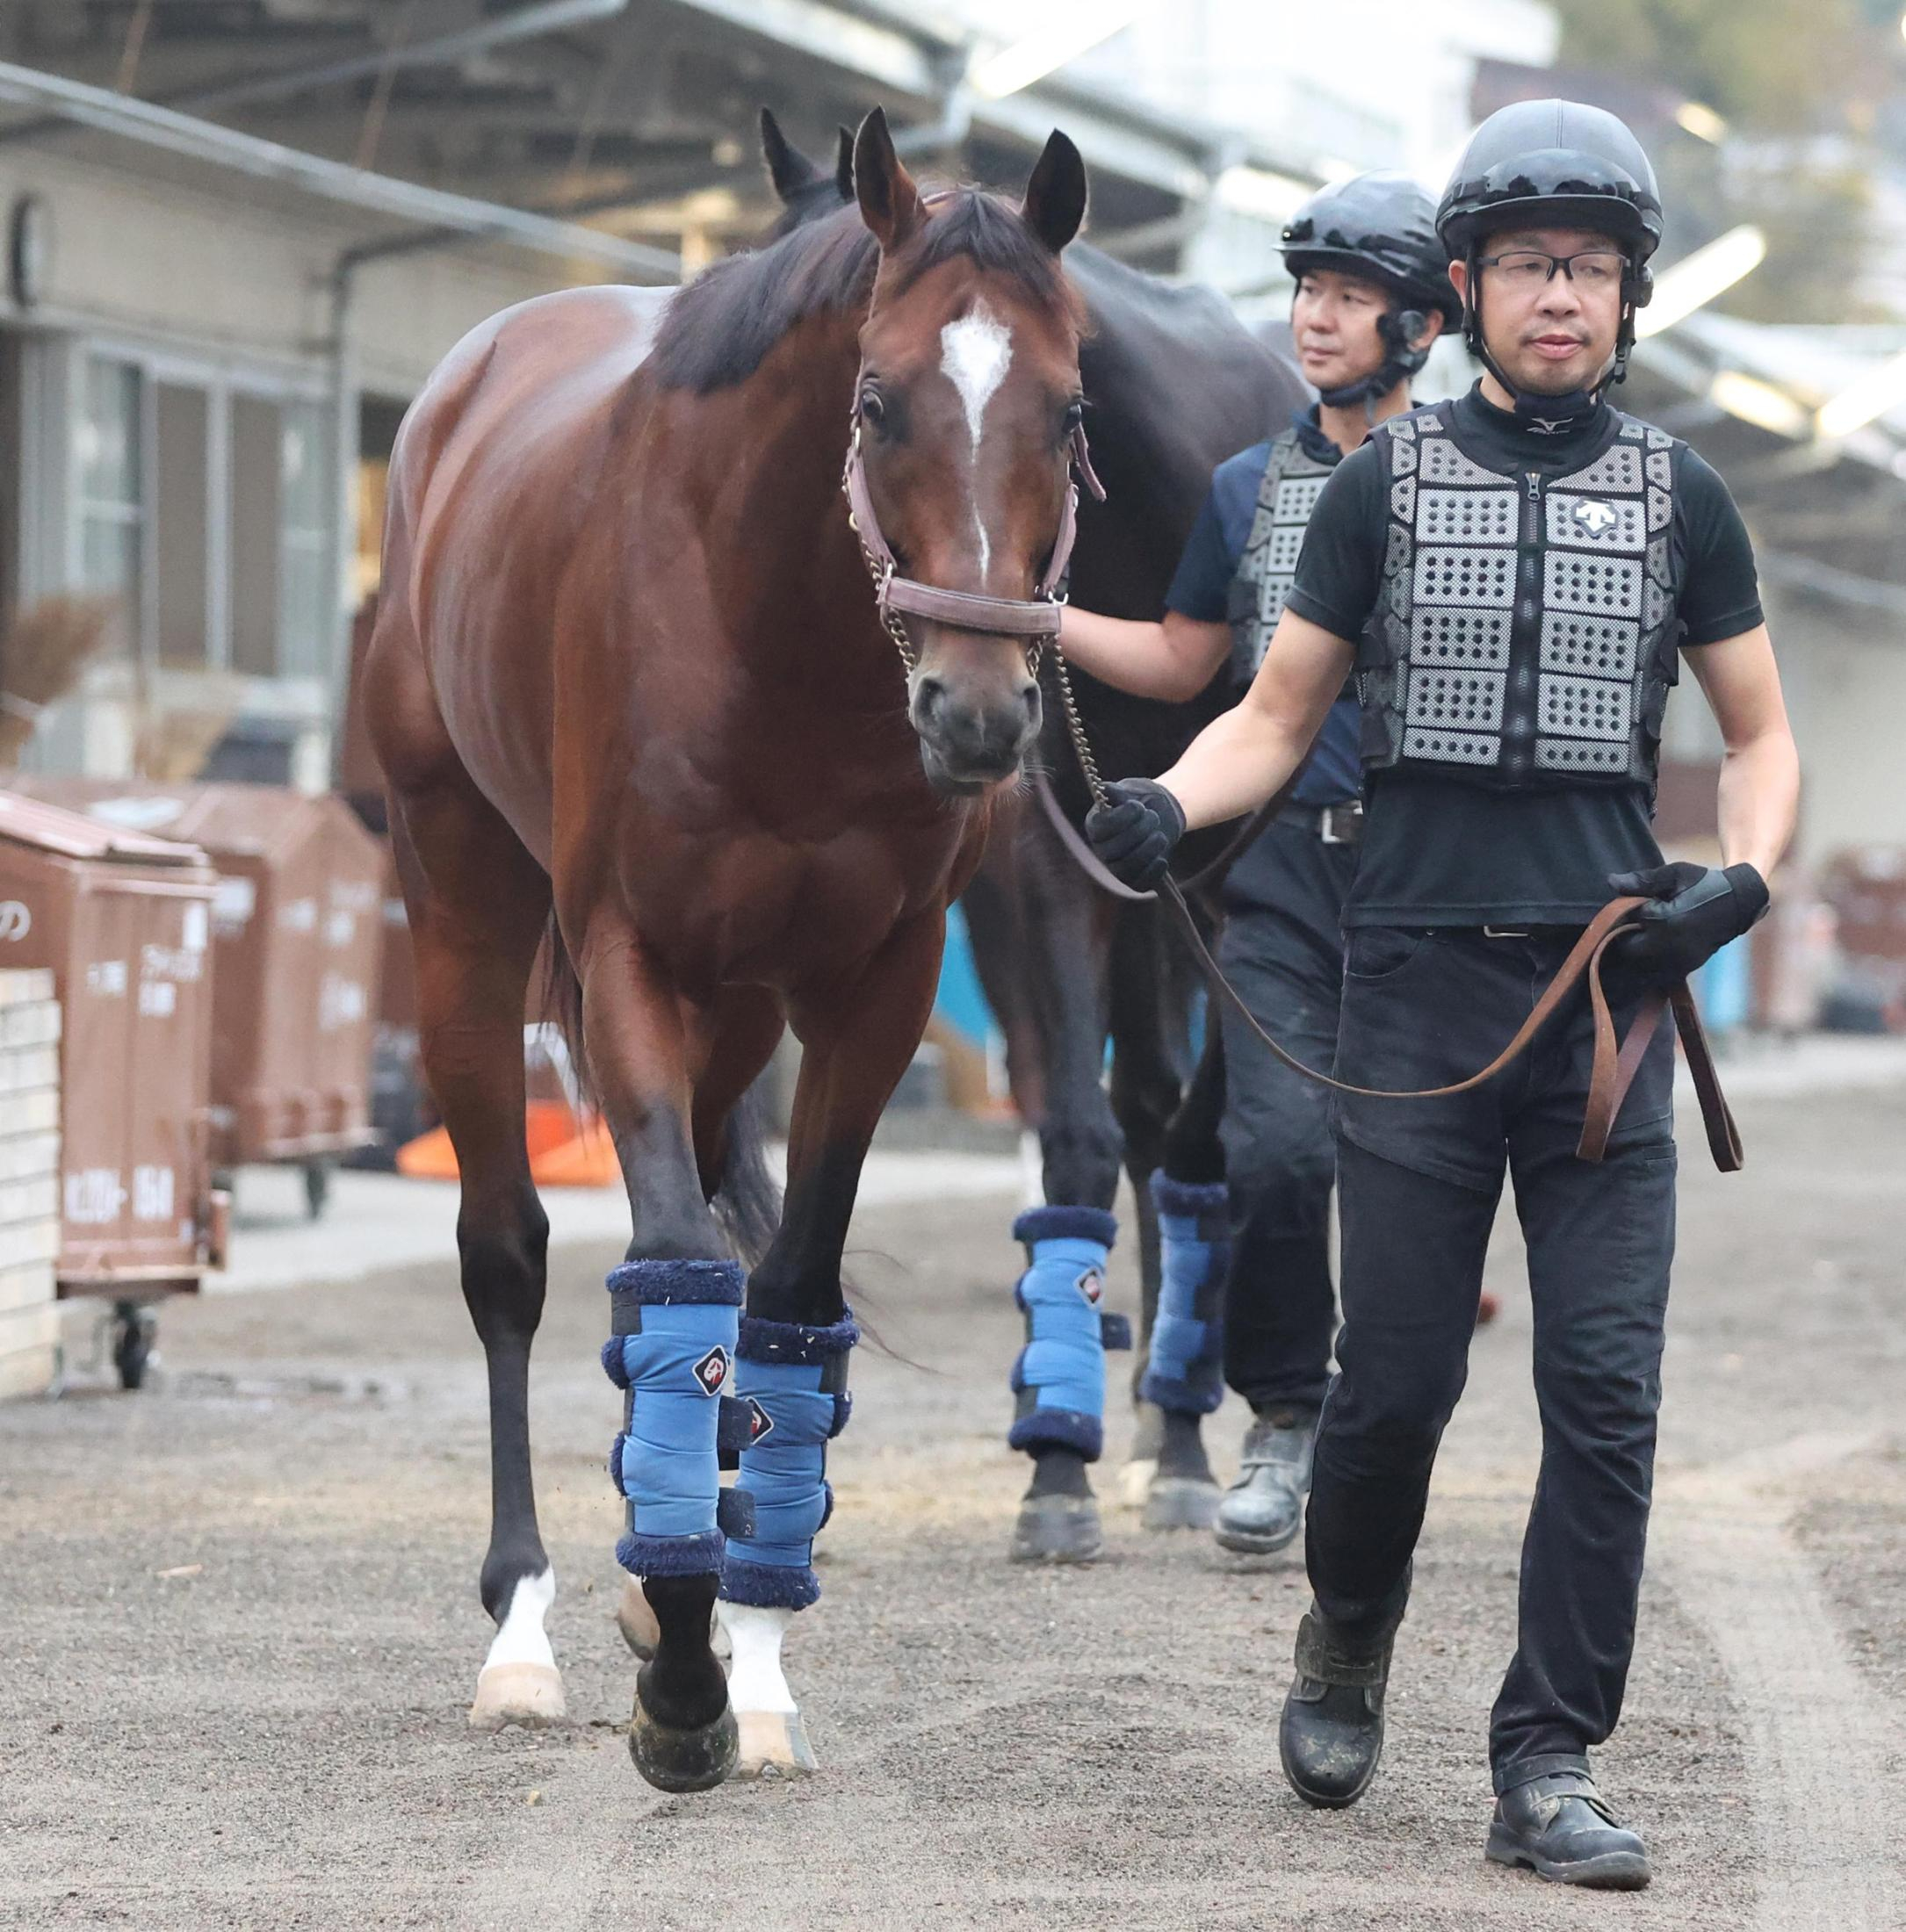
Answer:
(154, 249)
(1845, 677)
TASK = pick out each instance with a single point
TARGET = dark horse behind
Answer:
(628, 676)
(1173, 383)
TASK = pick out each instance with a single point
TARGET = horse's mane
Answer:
(717, 331)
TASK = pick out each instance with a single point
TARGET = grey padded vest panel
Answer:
(1293, 480)
(1526, 630)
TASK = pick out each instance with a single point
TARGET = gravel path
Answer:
(239, 1627)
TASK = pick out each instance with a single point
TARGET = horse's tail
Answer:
(748, 1201)
(562, 1007)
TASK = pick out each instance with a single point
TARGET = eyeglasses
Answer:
(1526, 268)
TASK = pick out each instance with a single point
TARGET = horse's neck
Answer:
(795, 582)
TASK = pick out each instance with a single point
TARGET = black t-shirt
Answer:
(1439, 851)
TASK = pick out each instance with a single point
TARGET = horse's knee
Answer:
(504, 1253)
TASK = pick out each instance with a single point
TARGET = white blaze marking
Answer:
(975, 353)
(522, 1638)
(755, 1680)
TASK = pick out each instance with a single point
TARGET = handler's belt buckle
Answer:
(1341, 824)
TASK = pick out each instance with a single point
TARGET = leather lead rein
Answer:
(1615, 1063)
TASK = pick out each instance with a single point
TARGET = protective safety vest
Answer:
(1526, 630)
(1288, 494)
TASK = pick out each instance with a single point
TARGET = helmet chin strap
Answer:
(1549, 415)
(1396, 330)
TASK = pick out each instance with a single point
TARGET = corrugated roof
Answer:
(71, 835)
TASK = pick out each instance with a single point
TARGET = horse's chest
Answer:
(769, 909)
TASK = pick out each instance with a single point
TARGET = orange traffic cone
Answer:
(565, 1151)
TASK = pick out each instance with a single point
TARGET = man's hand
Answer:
(1134, 831)
(1692, 912)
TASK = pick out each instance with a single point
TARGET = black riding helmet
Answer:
(1382, 228)
(1556, 165)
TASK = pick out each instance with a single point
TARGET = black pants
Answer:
(1421, 1180)
(1283, 949)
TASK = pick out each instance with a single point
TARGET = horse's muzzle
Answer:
(969, 744)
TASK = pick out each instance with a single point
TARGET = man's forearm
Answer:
(1759, 801)
(1147, 659)
(1234, 764)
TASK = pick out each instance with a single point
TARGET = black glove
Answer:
(1695, 910)
(1134, 831)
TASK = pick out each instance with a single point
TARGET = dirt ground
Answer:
(239, 1627)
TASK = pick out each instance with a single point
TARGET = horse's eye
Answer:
(873, 410)
(1075, 415)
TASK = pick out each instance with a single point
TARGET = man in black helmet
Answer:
(1372, 294)
(1525, 569)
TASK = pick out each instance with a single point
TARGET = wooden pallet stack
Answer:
(29, 1180)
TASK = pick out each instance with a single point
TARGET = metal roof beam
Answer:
(285, 81)
(1141, 144)
(332, 181)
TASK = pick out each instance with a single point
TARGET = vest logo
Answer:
(1595, 518)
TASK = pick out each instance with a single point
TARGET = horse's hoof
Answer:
(774, 1743)
(1135, 1482)
(1181, 1503)
(636, 1621)
(518, 1693)
(683, 1761)
(1056, 1529)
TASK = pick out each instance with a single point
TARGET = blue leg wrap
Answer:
(1059, 1376)
(1185, 1371)
(673, 1352)
(793, 1379)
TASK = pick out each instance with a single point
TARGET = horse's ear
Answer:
(890, 202)
(843, 163)
(788, 168)
(1055, 202)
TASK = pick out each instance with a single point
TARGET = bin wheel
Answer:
(134, 1331)
(317, 1187)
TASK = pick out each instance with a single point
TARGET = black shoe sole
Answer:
(1613, 1872)
(1252, 1542)
(1329, 1800)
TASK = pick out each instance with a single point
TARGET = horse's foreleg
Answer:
(1059, 1379)
(1182, 1380)
(674, 1304)
(858, 1038)
(477, 903)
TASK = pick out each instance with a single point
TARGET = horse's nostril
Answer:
(1029, 697)
(929, 693)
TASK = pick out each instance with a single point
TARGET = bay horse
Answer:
(1173, 383)
(630, 684)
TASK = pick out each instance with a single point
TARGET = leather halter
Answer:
(1037, 618)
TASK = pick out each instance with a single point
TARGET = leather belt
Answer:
(1338, 824)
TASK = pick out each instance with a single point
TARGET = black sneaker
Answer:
(1559, 1828)
(1332, 1734)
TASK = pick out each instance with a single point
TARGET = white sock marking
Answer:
(755, 1680)
(522, 1638)
(976, 351)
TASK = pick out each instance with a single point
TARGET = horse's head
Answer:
(966, 413)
